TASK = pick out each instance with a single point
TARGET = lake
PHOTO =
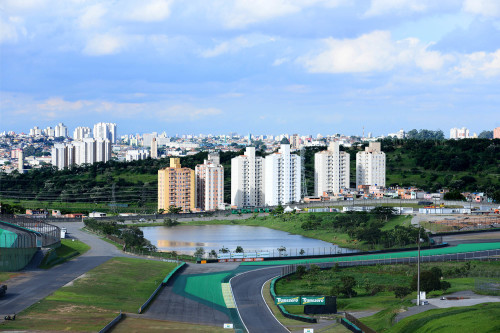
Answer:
(186, 238)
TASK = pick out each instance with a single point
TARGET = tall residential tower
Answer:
(370, 166)
(331, 170)
(247, 186)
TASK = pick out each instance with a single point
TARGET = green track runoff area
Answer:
(393, 255)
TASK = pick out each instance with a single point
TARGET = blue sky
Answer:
(259, 66)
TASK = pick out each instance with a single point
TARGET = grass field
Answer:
(91, 301)
(478, 318)
(65, 252)
(4, 276)
(139, 325)
(381, 279)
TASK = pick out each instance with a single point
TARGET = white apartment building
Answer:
(210, 184)
(105, 131)
(136, 155)
(102, 150)
(459, 133)
(60, 156)
(35, 131)
(61, 130)
(49, 131)
(331, 170)
(282, 177)
(370, 166)
(247, 185)
(81, 133)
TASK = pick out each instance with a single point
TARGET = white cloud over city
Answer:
(283, 59)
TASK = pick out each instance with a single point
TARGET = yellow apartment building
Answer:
(176, 187)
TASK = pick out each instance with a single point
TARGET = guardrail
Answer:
(112, 323)
(162, 284)
(358, 324)
(282, 308)
(350, 326)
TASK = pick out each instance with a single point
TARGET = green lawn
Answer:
(478, 318)
(4, 276)
(69, 249)
(140, 325)
(91, 301)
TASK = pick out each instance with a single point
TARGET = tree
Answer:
(168, 222)
(428, 281)
(348, 284)
(383, 213)
(199, 252)
(174, 210)
(279, 210)
(401, 292)
(282, 251)
(454, 195)
(212, 254)
(239, 249)
(223, 249)
(302, 252)
(485, 135)
(445, 285)
(301, 270)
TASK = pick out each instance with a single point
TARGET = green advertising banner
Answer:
(287, 300)
(312, 300)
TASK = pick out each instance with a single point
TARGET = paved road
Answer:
(35, 284)
(247, 290)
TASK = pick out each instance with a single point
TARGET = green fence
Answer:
(14, 259)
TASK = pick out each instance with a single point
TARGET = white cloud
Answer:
(380, 7)
(280, 61)
(8, 31)
(91, 16)
(149, 11)
(104, 44)
(482, 7)
(236, 44)
(186, 112)
(375, 51)
(479, 63)
(240, 13)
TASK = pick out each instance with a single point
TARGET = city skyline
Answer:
(251, 67)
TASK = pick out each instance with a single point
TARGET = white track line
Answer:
(262, 294)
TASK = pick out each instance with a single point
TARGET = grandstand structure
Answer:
(21, 238)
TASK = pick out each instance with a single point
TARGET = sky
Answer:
(250, 66)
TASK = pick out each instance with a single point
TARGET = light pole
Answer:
(418, 266)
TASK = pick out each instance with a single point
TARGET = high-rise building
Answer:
(81, 133)
(370, 166)
(496, 133)
(247, 185)
(61, 130)
(105, 131)
(20, 162)
(210, 184)
(176, 187)
(331, 170)
(102, 150)
(154, 148)
(35, 131)
(49, 131)
(60, 156)
(295, 141)
(459, 133)
(282, 177)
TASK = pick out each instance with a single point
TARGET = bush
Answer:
(401, 292)
(301, 270)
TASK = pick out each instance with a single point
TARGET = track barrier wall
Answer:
(282, 308)
(112, 323)
(350, 326)
(363, 328)
(162, 284)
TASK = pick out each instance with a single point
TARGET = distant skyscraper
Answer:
(295, 141)
(176, 187)
(61, 130)
(35, 131)
(81, 133)
(60, 156)
(136, 155)
(102, 150)
(210, 184)
(20, 162)
(154, 148)
(282, 180)
(247, 186)
(370, 166)
(459, 133)
(105, 131)
(331, 170)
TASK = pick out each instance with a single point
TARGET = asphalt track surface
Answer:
(33, 285)
(253, 310)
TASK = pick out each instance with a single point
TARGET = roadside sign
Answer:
(223, 255)
(308, 330)
(263, 254)
(287, 300)
(237, 255)
(250, 254)
(313, 300)
(228, 325)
